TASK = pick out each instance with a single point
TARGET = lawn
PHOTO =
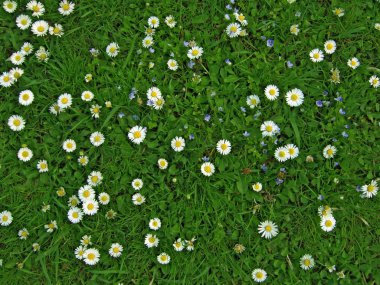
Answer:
(129, 118)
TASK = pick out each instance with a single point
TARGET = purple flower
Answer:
(205, 158)
(232, 1)
(220, 109)
(289, 64)
(319, 103)
(358, 188)
(336, 164)
(228, 7)
(320, 197)
(186, 44)
(279, 181)
(191, 64)
(325, 93)
(264, 168)
(283, 169)
(151, 50)
(262, 143)
(263, 38)
(270, 43)
(347, 126)
(334, 140)
(342, 112)
(243, 109)
(246, 134)
(135, 117)
(131, 96)
(191, 137)
(228, 61)
(121, 115)
(150, 103)
(339, 99)
(227, 17)
(344, 134)
(207, 117)
(236, 10)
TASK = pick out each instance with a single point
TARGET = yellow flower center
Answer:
(75, 215)
(241, 17)
(27, 49)
(253, 101)
(18, 57)
(233, 29)
(64, 100)
(294, 97)
(207, 168)
(56, 30)
(282, 153)
(95, 110)
(329, 46)
(137, 134)
(94, 179)
(66, 6)
(6, 78)
(25, 97)
(306, 262)
(24, 22)
(223, 146)
(195, 52)
(112, 49)
(272, 92)
(152, 239)
(178, 143)
(5, 218)
(370, 188)
(268, 228)
(90, 206)
(43, 165)
(69, 145)
(328, 223)
(164, 257)
(91, 256)
(25, 153)
(41, 29)
(330, 151)
(17, 122)
(36, 8)
(269, 128)
(115, 250)
(259, 275)
(10, 5)
(316, 55)
(86, 193)
(291, 151)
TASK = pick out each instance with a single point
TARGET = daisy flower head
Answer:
(9, 6)
(190, 244)
(55, 109)
(330, 46)
(36, 7)
(69, 145)
(16, 123)
(51, 226)
(5, 218)
(90, 207)
(86, 192)
(153, 22)
(137, 184)
(42, 54)
(269, 129)
(65, 100)
(163, 258)
(170, 21)
(112, 49)
(328, 223)
(151, 241)
(268, 229)
(233, 30)
(158, 104)
(149, 31)
(26, 97)
(6, 79)
(153, 93)
(66, 7)
(138, 199)
(24, 154)
(195, 52)
(97, 139)
(86, 240)
(178, 245)
(16, 73)
(257, 187)
(104, 198)
(137, 134)
(56, 30)
(307, 262)
(17, 58)
(329, 151)
(339, 12)
(91, 256)
(95, 178)
(207, 169)
(27, 48)
(294, 97)
(40, 28)
(370, 191)
(42, 166)
(155, 224)
(79, 252)
(316, 55)
(259, 275)
(353, 63)
(294, 30)
(324, 211)
(374, 81)
(147, 42)
(162, 163)
(88, 77)
(241, 19)
(253, 101)
(178, 144)
(36, 246)
(272, 92)
(23, 22)
(75, 215)
(83, 160)
(282, 154)
(172, 64)
(223, 147)
(87, 96)
(115, 250)
(293, 150)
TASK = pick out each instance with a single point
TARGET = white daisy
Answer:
(86, 240)
(170, 21)
(56, 30)
(294, 29)
(233, 30)
(104, 198)
(241, 18)
(282, 154)
(79, 252)
(66, 7)
(16, 123)
(172, 64)
(17, 58)
(307, 262)
(42, 166)
(23, 234)
(9, 6)
(86, 192)
(195, 52)
(268, 229)
(16, 73)
(95, 178)
(137, 184)
(91, 256)
(329, 151)
(24, 154)
(190, 244)
(69, 145)
(370, 191)
(163, 258)
(151, 241)
(137, 134)
(40, 28)
(316, 55)
(90, 207)
(324, 211)
(178, 144)
(253, 101)
(87, 96)
(294, 97)
(374, 81)
(292, 150)
(51, 226)
(207, 169)
(162, 163)
(155, 224)
(5, 218)
(158, 104)
(153, 22)
(83, 160)
(97, 138)
(330, 46)
(272, 92)
(26, 97)
(27, 48)
(178, 245)
(269, 129)
(65, 100)
(257, 187)
(37, 8)
(259, 275)
(112, 49)
(23, 22)
(138, 199)
(55, 109)
(42, 54)
(115, 250)
(328, 223)
(147, 42)
(223, 147)
(75, 215)
(153, 93)
(353, 63)
(6, 79)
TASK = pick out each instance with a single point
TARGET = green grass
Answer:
(217, 210)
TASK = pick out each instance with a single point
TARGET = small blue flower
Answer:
(358, 188)
(342, 112)
(151, 50)
(262, 143)
(283, 169)
(150, 103)
(191, 137)
(135, 117)
(325, 93)
(186, 44)
(336, 164)
(320, 197)
(289, 64)
(339, 99)
(220, 109)
(264, 168)
(246, 134)
(270, 43)
(228, 7)
(232, 1)
(228, 61)
(191, 64)
(121, 115)
(207, 117)
(334, 140)
(263, 38)
(279, 181)
(319, 103)
(236, 10)
(344, 134)
(227, 17)
(205, 158)
(297, 14)
(243, 109)
(131, 96)
(347, 126)
(154, 79)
